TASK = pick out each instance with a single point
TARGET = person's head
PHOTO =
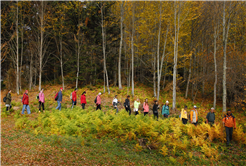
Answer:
(156, 102)
(84, 93)
(229, 111)
(26, 91)
(146, 100)
(9, 91)
(115, 96)
(42, 90)
(212, 110)
(195, 107)
(76, 89)
(99, 93)
(185, 107)
(167, 102)
(137, 99)
(61, 89)
(128, 97)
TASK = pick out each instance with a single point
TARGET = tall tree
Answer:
(121, 39)
(133, 33)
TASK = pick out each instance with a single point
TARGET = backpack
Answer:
(71, 95)
(37, 97)
(4, 99)
(95, 100)
(56, 96)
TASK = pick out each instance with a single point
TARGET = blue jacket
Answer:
(59, 96)
(165, 110)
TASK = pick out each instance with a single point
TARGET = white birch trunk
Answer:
(17, 54)
(133, 31)
(41, 46)
(121, 39)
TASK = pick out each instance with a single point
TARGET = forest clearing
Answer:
(162, 82)
(89, 137)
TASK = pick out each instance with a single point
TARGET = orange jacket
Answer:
(191, 115)
(229, 121)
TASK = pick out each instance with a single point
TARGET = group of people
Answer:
(228, 121)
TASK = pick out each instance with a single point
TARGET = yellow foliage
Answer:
(164, 150)
(138, 148)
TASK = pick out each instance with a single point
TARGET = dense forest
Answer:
(198, 48)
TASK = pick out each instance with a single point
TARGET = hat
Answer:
(61, 88)
(167, 101)
(228, 110)
(195, 106)
(212, 108)
(76, 88)
(99, 93)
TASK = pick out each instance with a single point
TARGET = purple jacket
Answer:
(41, 97)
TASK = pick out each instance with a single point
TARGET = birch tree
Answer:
(121, 39)
(133, 32)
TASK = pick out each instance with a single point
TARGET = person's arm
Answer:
(207, 117)
(191, 115)
(234, 122)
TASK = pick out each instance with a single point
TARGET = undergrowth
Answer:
(168, 137)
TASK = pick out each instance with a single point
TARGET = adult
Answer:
(210, 118)
(229, 122)
(74, 97)
(115, 103)
(155, 109)
(98, 102)
(194, 116)
(146, 107)
(59, 99)
(127, 105)
(8, 100)
(165, 110)
(184, 115)
(25, 102)
(83, 100)
(136, 106)
(41, 99)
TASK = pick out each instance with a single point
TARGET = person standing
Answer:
(127, 105)
(115, 103)
(59, 99)
(8, 101)
(194, 116)
(165, 110)
(146, 107)
(83, 100)
(74, 97)
(155, 109)
(98, 101)
(25, 102)
(41, 99)
(229, 122)
(210, 118)
(136, 106)
(184, 115)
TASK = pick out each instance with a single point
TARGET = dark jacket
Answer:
(59, 96)
(127, 103)
(8, 98)
(25, 99)
(155, 108)
(210, 117)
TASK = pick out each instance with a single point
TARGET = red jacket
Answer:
(25, 99)
(83, 99)
(74, 96)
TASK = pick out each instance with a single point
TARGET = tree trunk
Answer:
(176, 32)
(121, 39)
(133, 31)
(17, 54)
(104, 48)
(154, 73)
(77, 78)
(188, 81)
(21, 49)
(31, 72)
(61, 61)
(215, 67)
(41, 46)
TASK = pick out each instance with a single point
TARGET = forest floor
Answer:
(23, 147)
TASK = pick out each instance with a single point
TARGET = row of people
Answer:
(228, 121)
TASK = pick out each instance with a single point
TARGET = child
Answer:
(155, 109)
